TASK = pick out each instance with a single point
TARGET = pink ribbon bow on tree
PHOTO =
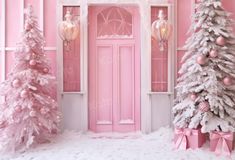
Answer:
(222, 139)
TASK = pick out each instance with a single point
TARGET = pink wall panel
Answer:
(13, 27)
(50, 22)
(230, 6)
(52, 58)
(10, 60)
(184, 20)
(36, 7)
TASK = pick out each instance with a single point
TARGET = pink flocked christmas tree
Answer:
(29, 115)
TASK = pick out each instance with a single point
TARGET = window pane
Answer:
(71, 59)
(159, 58)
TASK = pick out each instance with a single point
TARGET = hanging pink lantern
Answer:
(227, 81)
(201, 59)
(220, 41)
(213, 53)
(16, 83)
(204, 106)
(161, 30)
(68, 29)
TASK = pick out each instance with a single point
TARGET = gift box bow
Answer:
(182, 134)
(222, 139)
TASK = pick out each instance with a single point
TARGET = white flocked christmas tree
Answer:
(29, 114)
(206, 88)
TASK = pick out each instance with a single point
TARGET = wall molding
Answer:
(3, 40)
(14, 48)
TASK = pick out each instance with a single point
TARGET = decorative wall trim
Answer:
(41, 16)
(14, 48)
(3, 39)
(22, 15)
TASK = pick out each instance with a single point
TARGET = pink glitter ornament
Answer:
(32, 114)
(16, 83)
(44, 110)
(193, 96)
(201, 59)
(227, 81)
(33, 55)
(18, 108)
(213, 53)
(45, 70)
(204, 106)
(24, 94)
(32, 62)
(220, 41)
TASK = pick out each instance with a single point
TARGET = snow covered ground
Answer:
(76, 146)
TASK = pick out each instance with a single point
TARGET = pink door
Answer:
(114, 69)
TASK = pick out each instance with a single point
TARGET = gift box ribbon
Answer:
(182, 140)
(222, 142)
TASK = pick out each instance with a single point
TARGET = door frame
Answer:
(115, 124)
(145, 56)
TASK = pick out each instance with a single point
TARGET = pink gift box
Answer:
(188, 138)
(221, 142)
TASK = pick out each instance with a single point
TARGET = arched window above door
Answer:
(114, 22)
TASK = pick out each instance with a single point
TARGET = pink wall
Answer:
(184, 22)
(14, 27)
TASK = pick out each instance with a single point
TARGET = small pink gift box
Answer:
(221, 142)
(188, 138)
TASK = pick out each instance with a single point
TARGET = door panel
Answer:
(126, 84)
(114, 69)
(104, 92)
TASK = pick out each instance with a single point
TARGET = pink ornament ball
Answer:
(32, 62)
(32, 114)
(18, 108)
(16, 83)
(27, 27)
(213, 53)
(227, 81)
(193, 96)
(45, 70)
(24, 94)
(201, 59)
(44, 110)
(204, 106)
(220, 41)
(33, 55)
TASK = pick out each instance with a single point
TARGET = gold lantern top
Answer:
(161, 30)
(68, 29)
